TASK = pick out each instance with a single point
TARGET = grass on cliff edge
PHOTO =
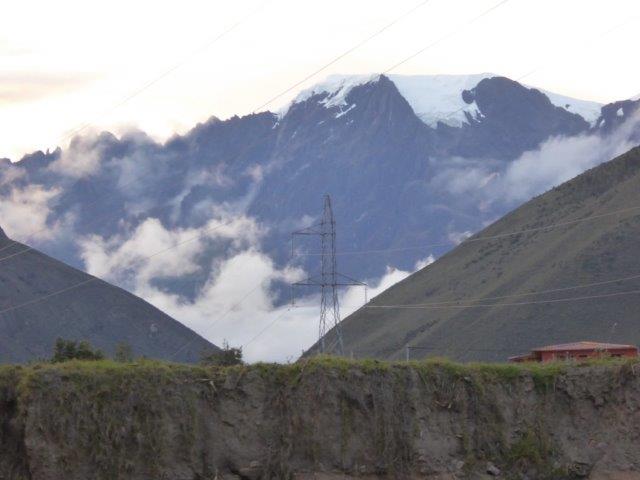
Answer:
(542, 374)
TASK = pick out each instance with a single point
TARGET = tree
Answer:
(124, 353)
(225, 357)
(65, 350)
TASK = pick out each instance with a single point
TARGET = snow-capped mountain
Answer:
(433, 98)
(409, 172)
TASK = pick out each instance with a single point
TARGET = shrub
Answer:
(124, 353)
(65, 350)
(225, 357)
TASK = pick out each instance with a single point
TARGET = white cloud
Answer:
(24, 212)
(140, 256)
(81, 158)
(458, 237)
(557, 160)
(237, 302)
(425, 262)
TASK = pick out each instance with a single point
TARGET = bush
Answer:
(65, 350)
(124, 353)
(225, 357)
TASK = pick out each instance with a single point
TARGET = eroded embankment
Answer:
(319, 419)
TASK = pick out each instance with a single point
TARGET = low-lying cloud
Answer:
(237, 303)
(24, 212)
(557, 160)
(81, 158)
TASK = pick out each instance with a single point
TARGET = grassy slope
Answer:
(579, 253)
(97, 311)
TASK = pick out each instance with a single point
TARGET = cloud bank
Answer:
(237, 301)
(24, 212)
(495, 185)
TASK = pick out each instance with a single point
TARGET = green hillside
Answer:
(590, 243)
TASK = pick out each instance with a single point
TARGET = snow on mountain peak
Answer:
(587, 109)
(337, 86)
(438, 98)
(433, 98)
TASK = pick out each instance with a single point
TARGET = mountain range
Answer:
(414, 165)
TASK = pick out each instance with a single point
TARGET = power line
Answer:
(437, 305)
(447, 36)
(93, 279)
(461, 349)
(49, 295)
(531, 72)
(271, 324)
(347, 52)
(515, 304)
(219, 319)
(539, 292)
(149, 84)
(170, 70)
(233, 27)
(144, 87)
(80, 284)
(229, 30)
(95, 218)
(329, 279)
(484, 13)
(479, 239)
(25, 250)
(581, 43)
(343, 54)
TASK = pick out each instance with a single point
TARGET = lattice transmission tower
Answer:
(329, 280)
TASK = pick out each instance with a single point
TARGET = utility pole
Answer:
(329, 280)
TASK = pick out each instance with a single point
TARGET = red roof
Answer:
(564, 347)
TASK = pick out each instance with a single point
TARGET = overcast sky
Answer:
(69, 63)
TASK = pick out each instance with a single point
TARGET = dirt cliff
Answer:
(324, 419)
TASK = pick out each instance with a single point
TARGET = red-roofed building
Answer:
(578, 351)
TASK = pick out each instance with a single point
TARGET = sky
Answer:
(75, 66)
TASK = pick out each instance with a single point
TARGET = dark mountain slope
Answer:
(575, 253)
(376, 158)
(95, 311)
(379, 149)
(512, 119)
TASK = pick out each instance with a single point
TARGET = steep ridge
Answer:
(439, 315)
(95, 311)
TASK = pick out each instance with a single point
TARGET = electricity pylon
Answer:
(329, 279)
